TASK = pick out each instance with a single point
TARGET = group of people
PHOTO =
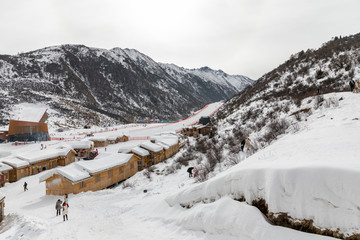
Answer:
(64, 206)
(354, 86)
(190, 171)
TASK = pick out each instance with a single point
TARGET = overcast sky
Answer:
(248, 37)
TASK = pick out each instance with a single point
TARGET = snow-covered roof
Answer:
(101, 164)
(98, 139)
(73, 172)
(40, 155)
(112, 138)
(4, 167)
(84, 144)
(140, 151)
(28, 112)
(169, 140)
(151, 146)
(163, 145)
(15, 162)
(125, 147)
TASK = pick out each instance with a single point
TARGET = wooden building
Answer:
(2, 206)
(3, 135)
(156, 152)
(170, 143)
(99, 142)
(27, 131)
(124, 138)
(20, 168)
(90, 175)
(113, 139)
(82, 148)
(143, 157)
(4, 173)
(42, 160)
(196, 130)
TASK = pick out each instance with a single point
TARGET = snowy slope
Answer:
(309, 175)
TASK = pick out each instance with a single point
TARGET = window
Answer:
(110, 173)
(97, 178)
(121, 170)
(82, 184)
(131, 165)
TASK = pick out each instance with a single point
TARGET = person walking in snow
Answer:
(65, 211)
(247, 144)
(196, 173)
(58, 207)
(25, 186)
(190, 171)
(352, 85)
(242, 145)
(66, 200)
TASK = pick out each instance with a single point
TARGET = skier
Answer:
(58, 207)
(25, 186)
(65, 211)
(190, 171)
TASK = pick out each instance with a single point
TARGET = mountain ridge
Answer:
(113, 86)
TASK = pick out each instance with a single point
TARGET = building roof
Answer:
(15, 162)
(84, 144)
(41, 155)
(107, 162)
(169, 140)
(163, 145)
(4, 167)
(125, 147)
(140, 151)
(151, 146)
(97, 139)
(73, 172)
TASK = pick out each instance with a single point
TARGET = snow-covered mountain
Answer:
(98, 86)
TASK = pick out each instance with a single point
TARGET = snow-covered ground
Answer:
(312, 174)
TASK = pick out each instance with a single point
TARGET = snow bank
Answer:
(229, 217)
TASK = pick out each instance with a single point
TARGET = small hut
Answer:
(169, 142)
(124, 138)
(143, 157)
(20, 168)
(99, 142)
(156, 151)
(2, 205)
(112, 139)
(4, 173)
(82, 148)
